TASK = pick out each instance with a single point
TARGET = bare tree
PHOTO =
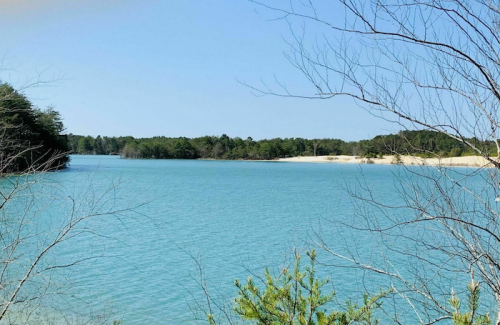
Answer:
(38, 217)
(431, 65)
(37, 221)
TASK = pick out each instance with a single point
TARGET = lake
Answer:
(237, 217)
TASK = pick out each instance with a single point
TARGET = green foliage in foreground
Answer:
(420, 143)
(295, 297)
(471, 316)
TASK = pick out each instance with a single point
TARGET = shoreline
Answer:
(467, 161)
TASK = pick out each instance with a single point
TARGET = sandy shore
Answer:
(470, 161)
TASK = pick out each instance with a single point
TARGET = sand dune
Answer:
(469, 161)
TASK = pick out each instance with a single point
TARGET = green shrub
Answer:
(397, 159)
(295, 297)
(470, 317)
(455, 152)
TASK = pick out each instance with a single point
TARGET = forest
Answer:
(37, 138)
(419, 143)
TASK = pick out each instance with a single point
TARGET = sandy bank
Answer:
(470, 161)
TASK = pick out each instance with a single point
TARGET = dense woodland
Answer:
(29, 137)
(37, 135)
(422, 143)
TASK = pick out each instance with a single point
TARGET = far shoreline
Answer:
(466, 161)
(407, 160)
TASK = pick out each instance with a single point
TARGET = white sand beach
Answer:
(469, 161)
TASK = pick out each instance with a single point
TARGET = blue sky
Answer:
(147, 68)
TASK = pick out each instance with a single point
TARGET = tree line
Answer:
(421, 143)
(33, 136)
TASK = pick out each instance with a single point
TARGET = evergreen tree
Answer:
(31, 135)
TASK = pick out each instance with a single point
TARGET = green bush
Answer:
(471, 316)
(455, 152)
(397, 159)
(295, 297)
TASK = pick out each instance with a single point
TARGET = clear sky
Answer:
(166, 67)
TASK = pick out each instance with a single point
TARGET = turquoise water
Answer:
(236, 216)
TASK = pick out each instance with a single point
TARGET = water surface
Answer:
(237, 216)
